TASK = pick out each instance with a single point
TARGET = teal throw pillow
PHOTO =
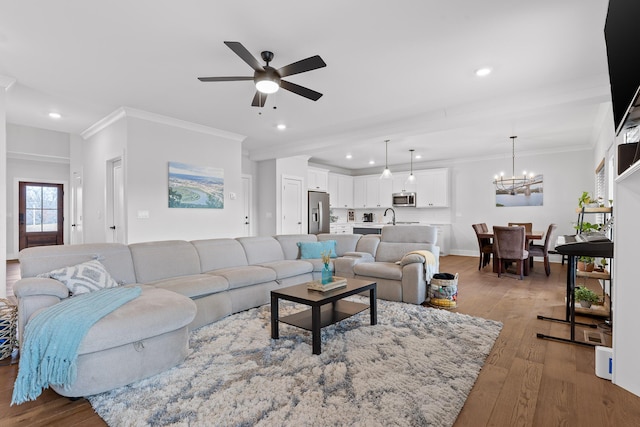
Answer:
(313, 250)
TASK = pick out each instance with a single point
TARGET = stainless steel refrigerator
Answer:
(318, 212)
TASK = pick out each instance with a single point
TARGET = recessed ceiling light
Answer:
(372, 162)
(418, 156)
(282, 126)
(349, 156)
(482, 72)
(54, 115)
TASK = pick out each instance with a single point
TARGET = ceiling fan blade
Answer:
(302, 66)
(224, 79)
(259, 99)
(243, 53)
(300, 90)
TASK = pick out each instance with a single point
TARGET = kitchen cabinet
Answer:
(340, 190)
(341, 228)
(378, 192)
(432, 188)
(360, 192)
(400, 184)
(317, 179)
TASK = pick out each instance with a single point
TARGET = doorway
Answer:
(246, 205)
(115, 202)
(291, 205)
(40, 214)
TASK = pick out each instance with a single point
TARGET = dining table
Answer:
(529, 237)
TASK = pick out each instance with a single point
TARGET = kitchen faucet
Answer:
(394, 215)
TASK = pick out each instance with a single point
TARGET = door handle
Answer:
(73, 225)
(113, 227)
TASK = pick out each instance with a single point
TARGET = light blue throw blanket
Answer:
(49, 350)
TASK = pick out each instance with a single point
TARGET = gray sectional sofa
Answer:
(186, 285)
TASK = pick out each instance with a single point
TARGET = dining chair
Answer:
(484, 245)
(543, 250)
(509, 244)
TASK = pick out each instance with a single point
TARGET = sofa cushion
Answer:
(155, 261)
(410, 234)
(194, 286)
(289, 268)
(83, 278)
(344, 242)
(239, 277)
(261, 249)
(368, 243)
(315, 250)
(289, 243)
(154, 312)
(219, 253)
(382, 270)
(392, 252)
(116, 258)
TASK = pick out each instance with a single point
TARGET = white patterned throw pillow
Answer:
(83, 278)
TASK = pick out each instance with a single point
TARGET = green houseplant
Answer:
(585, 263)
(586, 296)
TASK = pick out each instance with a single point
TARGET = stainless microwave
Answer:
(404, 199)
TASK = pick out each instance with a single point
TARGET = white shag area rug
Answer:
(416, 367)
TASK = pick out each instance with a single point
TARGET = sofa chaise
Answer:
(186, 285)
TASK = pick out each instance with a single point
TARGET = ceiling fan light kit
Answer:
(269, 80)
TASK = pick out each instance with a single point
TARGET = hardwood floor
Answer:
(525, 381)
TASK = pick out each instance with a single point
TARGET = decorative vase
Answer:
(326, 275)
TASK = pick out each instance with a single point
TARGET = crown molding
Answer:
(157, 118)
(37, 157)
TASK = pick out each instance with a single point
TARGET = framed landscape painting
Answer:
(195, 186)
(523, 192)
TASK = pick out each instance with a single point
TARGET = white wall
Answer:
(150, 148)
(565, 175)
(35, 155)
(266, 186)
(109, 143)
(4, 83)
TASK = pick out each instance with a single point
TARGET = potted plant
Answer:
(603, 265)
(584, 199)
(585, 263)
(586, 296)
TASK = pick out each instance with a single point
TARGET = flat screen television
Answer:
(623, 53)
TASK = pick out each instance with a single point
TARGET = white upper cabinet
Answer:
(432, 188)
(360, 192)
(340, 190)
(317, 179)
(378, 192)
(401, 185)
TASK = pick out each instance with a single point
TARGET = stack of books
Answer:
(337, 282)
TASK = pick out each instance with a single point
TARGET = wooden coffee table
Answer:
(326, 309)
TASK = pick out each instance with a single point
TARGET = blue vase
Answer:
(326, 275)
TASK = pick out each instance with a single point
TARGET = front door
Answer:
(40, 214)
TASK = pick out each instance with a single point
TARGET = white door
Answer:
(291, 205)
(116, 219)
(246, 205)
(77, 235)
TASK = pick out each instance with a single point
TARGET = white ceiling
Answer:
(402, 71)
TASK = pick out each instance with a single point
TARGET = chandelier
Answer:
(514, 184)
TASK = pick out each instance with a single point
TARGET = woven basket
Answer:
(443, 293)
(8, 320)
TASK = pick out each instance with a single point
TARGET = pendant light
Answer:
(514, 184)
(386, 173)
(412, 177)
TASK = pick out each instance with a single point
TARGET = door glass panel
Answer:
(34, 220)
(49, 198)
(34, 197)
(50, 220)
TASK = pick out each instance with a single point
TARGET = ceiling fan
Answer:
(267, 79)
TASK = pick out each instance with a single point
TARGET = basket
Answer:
(443, 290)
(8, 320)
